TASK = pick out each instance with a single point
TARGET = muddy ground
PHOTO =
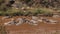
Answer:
(41, 28)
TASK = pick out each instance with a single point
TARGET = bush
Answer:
(37, 11)
(27, 13)
(0, 13)
(16, 14)
(48, 14)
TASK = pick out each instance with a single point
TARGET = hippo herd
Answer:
(33, 21)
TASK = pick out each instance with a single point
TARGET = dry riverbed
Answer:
(41, 28)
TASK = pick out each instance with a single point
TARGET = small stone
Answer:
(6, 17)
(55, 16)
(53, 21)
(40, 20)
(50, 21)
(20, 21)
(9, 23)
(33, 22)
(34, 18)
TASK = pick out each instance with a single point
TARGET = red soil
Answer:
(42, 28)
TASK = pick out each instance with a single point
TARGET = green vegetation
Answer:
(43, 7)
(16, 12)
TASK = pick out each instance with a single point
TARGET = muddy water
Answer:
(41, 28)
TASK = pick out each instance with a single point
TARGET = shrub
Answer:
(50, 14)
(0, 13)
(37, 11)
(27, 13)
(16, 14)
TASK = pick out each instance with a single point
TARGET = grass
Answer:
(34, 11)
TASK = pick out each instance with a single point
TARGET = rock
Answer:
(6, 17)
(27, 21)
(16, 5)
(34, 18)
(45, 19)
(55, 16)
(20, 21)
(50, 21)
(9, 23)
(53, 21)
(33, 22)
(23, 8)
(40, 20)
